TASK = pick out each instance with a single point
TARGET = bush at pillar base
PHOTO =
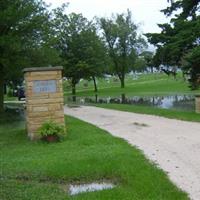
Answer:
(51, 131)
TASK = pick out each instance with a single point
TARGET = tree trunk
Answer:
(96, 98)
(95, 84)
(183, 75)
(151, 70)
(1, 92)
(122, 80)
(123, 98)
(5, 88)
(73, 92)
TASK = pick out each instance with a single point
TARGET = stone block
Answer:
(38, 101)
(40, 108)
(56, 95)
(54, 107)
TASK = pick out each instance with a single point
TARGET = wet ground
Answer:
(177, 102)
(77, 189)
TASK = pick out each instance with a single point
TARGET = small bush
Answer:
(51, 128)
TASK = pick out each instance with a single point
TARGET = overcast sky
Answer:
(145, 12)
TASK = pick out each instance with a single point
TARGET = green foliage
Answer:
(191, 63)
(179, 37)
(24, 39)
(24, 26)
(81, 49)
(146, 85)
(51, 128)
(10, 93)
(123, 43)
(148, 57)
(140, 64)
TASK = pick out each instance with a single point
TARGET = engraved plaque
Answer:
(46, 86)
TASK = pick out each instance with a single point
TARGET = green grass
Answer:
(145, 85)
(34, 170)
(7, 98)
(173, 114)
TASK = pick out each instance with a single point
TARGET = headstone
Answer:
(197, 103)
(44, 97)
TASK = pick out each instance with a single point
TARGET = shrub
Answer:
(51, 128)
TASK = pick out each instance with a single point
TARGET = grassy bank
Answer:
(145, 85)
(34, 170)
(173, 114)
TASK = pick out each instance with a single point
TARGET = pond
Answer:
(177, 102)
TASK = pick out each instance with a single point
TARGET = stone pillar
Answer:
(197, 103)
(44, 97)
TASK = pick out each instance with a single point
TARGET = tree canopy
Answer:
(32, 35)
(24, 29)
(81, 49)
(179, 40)
(122, 41)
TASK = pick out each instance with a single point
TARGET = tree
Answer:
(24, 25)
(179, 37)
(80, 48)
(148, 57)
(95, 55)
(122, 41)
(140, 64)
(191, 64)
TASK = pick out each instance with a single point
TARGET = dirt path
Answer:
(174, 145)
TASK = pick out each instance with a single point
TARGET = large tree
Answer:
(80, 47)
(179, 40)
(23, 29)
(123, 42)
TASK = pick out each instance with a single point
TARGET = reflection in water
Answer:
(74, 98)
(123, 98)
(96, 98)
(179, 102)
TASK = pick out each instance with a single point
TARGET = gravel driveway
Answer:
(173, 144)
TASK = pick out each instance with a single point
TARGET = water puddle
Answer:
(77, 189)
(71, 189)
(177, 102)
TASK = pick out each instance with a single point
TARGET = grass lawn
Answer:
(35, 171)
(174, 114)
(145, 85)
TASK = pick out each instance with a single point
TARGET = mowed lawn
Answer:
(38, 171)
(144, 85)
(168, 113)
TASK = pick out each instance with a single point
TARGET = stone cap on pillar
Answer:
(36, 69)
